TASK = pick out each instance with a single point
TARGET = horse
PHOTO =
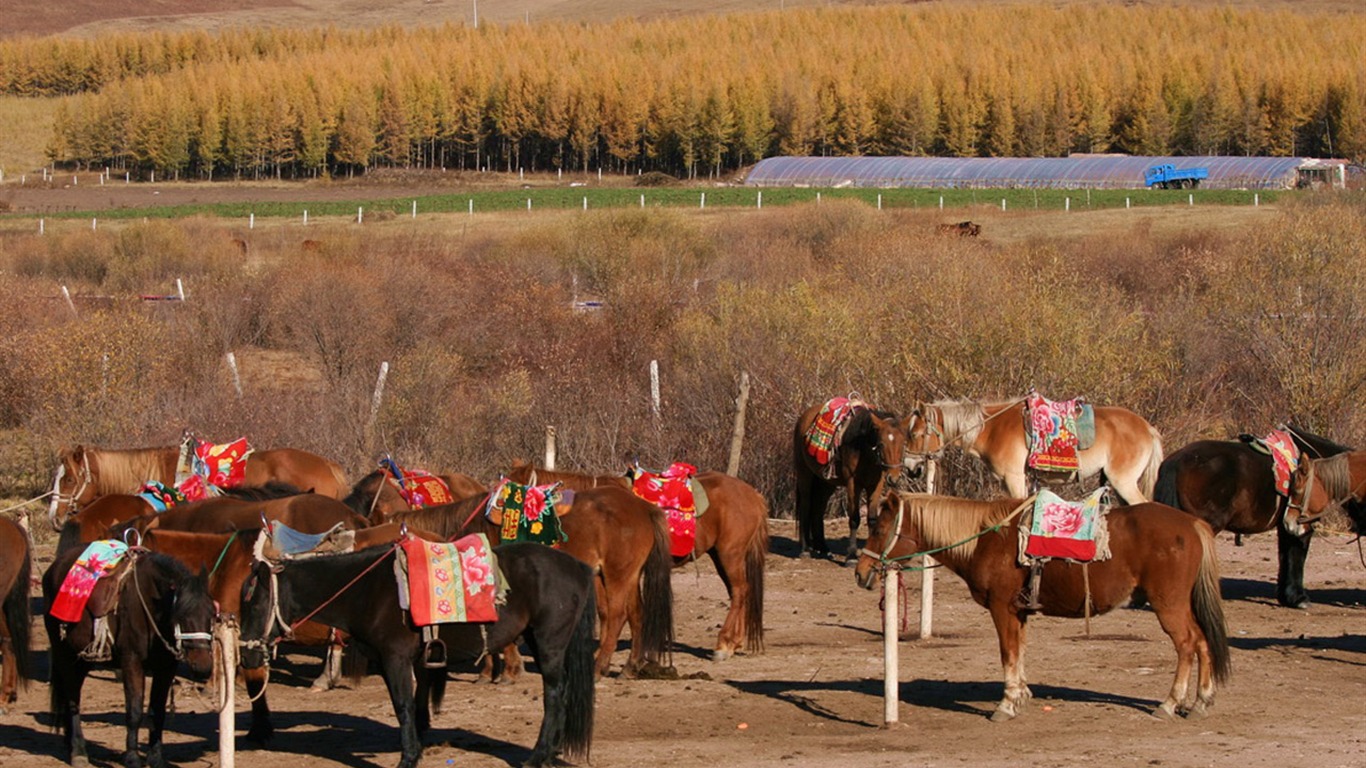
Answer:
(1127, 449)
(1231, 486)
(733, 532)
(376, 497)
(623, 538)
(158, 614)
(85, 473)
(1153, 547)
(869, 454)
(15, 629)
(228, 559)
(550, 603)
(1319, 486)
(962, 229)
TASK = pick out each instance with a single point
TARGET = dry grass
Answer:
(25, 125)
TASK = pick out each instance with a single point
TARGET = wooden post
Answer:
(236, 378)
(227, 727)
(737, 435)
(550, 447)
(891, 674)
(66, 294)
(927, 575)
(654, 390)
(379, 394)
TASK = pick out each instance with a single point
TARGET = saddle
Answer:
(278, 542)
(419, 488)
(92, 586)
(677, 491)
(529, 512)
(1055, 528)
(1055, 431)
(203, 467)
(1285, 455)
(824, 435)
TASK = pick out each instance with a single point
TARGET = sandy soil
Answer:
(814, 696)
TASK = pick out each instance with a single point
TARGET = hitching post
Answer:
(227, 728)
(550, 447)
(891, 675)
(927, 575)
(737, 436)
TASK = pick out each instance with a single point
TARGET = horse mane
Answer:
(124, 470)
(1316, 445)
(944, 520)
(361, 497)
(445, 520)
(273, 489)
(1336, 475)
(860, 431)
(962, 419)
(192, 590)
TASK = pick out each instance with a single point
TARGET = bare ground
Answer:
(814, 696)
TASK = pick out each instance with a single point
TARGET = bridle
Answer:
(86, 480)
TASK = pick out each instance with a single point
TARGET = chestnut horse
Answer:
(85, 473)
(1127, 449)
(733, 531)
(1320, 486)
(1231, 485)
(1161, 550)
(869, 454)
(626, 542)
(15, 628)
(376, 497)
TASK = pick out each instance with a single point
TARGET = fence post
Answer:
(927, 575)
(236, 377)
(737, 435)
(550, 447)
(227, 715)
(891, 672)
(654, 390)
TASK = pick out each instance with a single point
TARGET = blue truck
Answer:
(1168, 176)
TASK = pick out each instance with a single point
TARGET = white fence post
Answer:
(550, 447)
(891, 663)
(927, 562)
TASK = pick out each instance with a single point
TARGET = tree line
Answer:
(702, 96)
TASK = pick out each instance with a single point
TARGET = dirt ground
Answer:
(814, 697)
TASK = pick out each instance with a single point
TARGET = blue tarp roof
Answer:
(1081, 171)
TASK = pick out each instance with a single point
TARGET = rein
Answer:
(177, 650)
(328, 601)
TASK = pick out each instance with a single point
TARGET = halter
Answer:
(181, 638)
(69, 499)
(1304, 518)
(934, 429)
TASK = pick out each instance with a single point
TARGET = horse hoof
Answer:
(721, 654)
(260, 736)
(1000, 716)
(80, 761)
(1164, 714)
(805, 554)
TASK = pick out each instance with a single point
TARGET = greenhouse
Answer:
(1075, 172)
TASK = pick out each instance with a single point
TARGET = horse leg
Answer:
(617, 614)
(1179, 623)
(802, 493)
(731, 569)
(331, 674)
(1126, 487)
(156, 704)
(1292, 550)
(400, 678)
(9, 677)
(134, 681)
(67, 681)
(1204, 696)
(553, 706)
(1010, 636)
(261, 730)
(1016, 484)
(856, 505)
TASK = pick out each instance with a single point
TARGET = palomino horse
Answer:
(15, 562)
(1161, 550)
(158, 614)
(1231, 486)
(868, 455)
(376, 497)
(624, 539)
(733, 532)
(228, 559)
(85, 473)
(550, 603)
(1127, 448)
(1320, 486)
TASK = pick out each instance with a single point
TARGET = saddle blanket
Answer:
(1072, 530)
(213, 466)
(822, 437)
(1052, 431)
(1285, 458)
(418, 487)
(671, 491)
(280, 542)
(526, 513)
(99, 559)
(449, 583)
(160, 496)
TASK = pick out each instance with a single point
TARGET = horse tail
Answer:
(755, 553)
(1148, 479)
(657, 596)
(1208, 605)
(1164, 490)
(580, 682)
(339, 475)
(17, 617)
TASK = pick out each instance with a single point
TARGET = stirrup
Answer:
(433, 649)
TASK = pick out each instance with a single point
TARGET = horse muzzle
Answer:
(865, 575)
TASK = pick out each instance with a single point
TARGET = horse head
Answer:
(195, 614)
(260, 631)
(924, 434)
(886, 539)
(73, 487)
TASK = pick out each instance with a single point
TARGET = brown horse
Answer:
(228, 558)
(869, 454)
(1127, 449)
(15, 628)
(733, 532)
(85, 473)
(1161, 550)
(1320, 486)
(626, 542)
(376, 497)
(94, 521)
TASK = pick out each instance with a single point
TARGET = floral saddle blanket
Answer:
(529, 512)
(677, 491)
(1055, 430)
(1072, 530)
(418, 487)
(444, 583)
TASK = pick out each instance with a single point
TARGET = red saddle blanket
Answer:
(418, 487)
(1051, 429)
(822, 437)
(1075, 530)
(671, 491)
(455, 582)
(99, 559)
(214, 466)
(1285, 458)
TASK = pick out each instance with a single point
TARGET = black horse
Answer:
(1231, 485)
(158, 613)
(869, 455)
(550, 603)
